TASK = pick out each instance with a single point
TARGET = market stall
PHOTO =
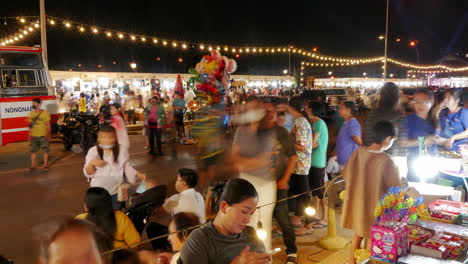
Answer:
(412, 231)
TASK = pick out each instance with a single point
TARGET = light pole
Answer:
(289, 59)
(414, 44)
(43, 23)
(386, 42)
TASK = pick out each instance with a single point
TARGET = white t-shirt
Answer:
(175, 257)
(188, 201)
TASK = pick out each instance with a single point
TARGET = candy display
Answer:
(388, 244)
(441, 245)
(447, 210)
(417, 234)
(395, 208)
(390, 234)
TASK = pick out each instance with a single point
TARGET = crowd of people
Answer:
(281, 147)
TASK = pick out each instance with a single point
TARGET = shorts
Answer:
(38, 143)
(179, 119)
(210, 161)
(316, 181)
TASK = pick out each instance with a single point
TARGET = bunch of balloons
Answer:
(395, 208)
(212, 75)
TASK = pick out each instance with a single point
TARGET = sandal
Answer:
(291, 260)
(319, 225)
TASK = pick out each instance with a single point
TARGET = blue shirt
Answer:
(345, 144)
(416, 127)
(452, 124)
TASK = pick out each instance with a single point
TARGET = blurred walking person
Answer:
(252, 154)
(156, 120)
(120, 127)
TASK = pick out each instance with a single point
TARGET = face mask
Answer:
(104, 146)
(250, 116)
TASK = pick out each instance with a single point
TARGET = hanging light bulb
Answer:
(310, 211)
(261, 233)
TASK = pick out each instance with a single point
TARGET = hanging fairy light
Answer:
(310, 211)
(261, 233)
(258, 49)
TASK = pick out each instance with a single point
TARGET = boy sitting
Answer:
(188, 200)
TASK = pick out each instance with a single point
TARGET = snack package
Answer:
(447, 210)
(418, 234)
(441, 245)
(388, 244)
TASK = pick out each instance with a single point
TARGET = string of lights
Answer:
(25, 31)
(330, 61)
(438, 71)
(309, 210)
(426, 67)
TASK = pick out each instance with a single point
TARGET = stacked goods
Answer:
(418, 234)
(441, 245)
(447, 210)
(389, 234)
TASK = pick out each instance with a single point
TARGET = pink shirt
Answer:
(121, 128)
(110, 176)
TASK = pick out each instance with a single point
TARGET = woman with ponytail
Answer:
(303, 142)
(227, 238)
(116, 225)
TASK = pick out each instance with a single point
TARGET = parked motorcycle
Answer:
(79, 131)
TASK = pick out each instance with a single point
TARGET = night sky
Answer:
(336, 27)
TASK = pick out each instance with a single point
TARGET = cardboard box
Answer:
(388, 244)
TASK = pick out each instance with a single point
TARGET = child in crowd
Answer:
(188, 200)
(179, 230)
(368, 174)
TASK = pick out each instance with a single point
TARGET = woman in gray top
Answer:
(227, 239)
(388, 109)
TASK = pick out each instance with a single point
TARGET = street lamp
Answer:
(364, 74)
(133, 65)
(381, 37)
(414, 44)
(391, 75)
(285, 71)
(330, 73)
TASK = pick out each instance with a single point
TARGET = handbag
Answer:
(34, 120)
